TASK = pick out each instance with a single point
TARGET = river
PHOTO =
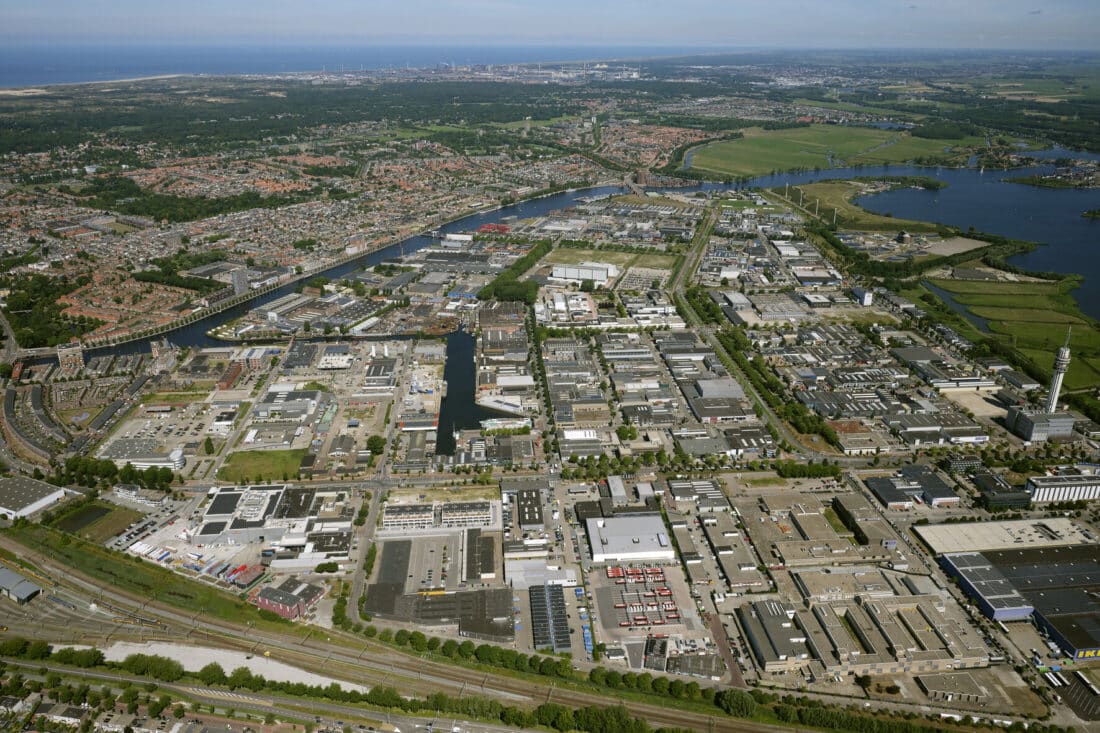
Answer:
(973, 197)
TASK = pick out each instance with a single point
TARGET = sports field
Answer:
(1034, 317)
(818, 146)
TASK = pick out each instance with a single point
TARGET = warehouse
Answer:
(548, 618)
(629, 538)
(16, 587)
(1075, 487)
(995, 595)
(22, 497)
(1058, 584)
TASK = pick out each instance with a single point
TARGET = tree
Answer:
(737, 703)
(178, 711)
(208, 446)
(212, 674)
(376, 444)
(587, 286)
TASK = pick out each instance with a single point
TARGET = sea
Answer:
(36, 65)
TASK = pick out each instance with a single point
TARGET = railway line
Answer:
(342, 656)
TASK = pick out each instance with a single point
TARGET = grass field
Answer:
(97, 521)
(650, 201)
(172, 398)
(1034, 317)
(258, 465)
(818, 146)
(838, 194)
(622, 260)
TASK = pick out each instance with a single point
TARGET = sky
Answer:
(956, 24)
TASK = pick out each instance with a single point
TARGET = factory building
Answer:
(629, 538)
(1075, 487)
(22, 497)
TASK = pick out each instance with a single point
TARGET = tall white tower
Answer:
(1061, 364)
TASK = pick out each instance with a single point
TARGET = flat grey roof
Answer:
(19, 492)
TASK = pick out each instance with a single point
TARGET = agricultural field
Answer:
(622, 260)
(838, 195)
(97, 521)
(260, 465)
(818, 146)
(761, 152)
(1034, 318)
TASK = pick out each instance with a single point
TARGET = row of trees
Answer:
(755, 704)
(771, 389)
(507, 286)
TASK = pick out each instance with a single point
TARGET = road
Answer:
(678, 287)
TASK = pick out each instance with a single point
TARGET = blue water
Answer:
(31, 65)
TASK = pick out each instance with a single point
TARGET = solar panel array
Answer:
(549, 623)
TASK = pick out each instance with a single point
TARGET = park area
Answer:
(761, 152)
(1034, 317)
(97, 521)
(261, 465)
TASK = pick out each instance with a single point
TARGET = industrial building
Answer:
(549, 623)
(983, 582)
(599, 273)
(915, 483)
(17, 588)
(629, 538)
(1057, 586)
(1037, 426)
(1073, 487)
(22, 497)
(291, 600)
(529, 510)
(942, 539)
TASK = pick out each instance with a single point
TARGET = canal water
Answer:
(460, 410)
(982, 324)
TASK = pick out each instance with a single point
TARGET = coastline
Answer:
(36, 89)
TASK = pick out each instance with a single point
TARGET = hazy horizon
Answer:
(1021, 25)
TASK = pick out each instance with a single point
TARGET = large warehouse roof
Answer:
(629, 537)
(1016, 534)
(20, 496)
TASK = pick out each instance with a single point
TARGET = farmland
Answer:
(820, 146)
(1033, 317)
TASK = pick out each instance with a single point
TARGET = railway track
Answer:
(384, 665)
